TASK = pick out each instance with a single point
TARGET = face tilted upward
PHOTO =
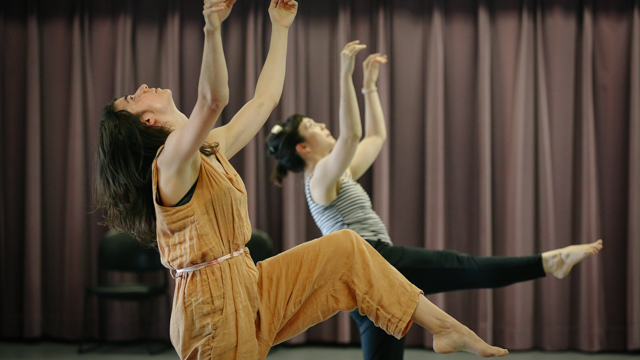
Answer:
(154, 104)
(317, 136)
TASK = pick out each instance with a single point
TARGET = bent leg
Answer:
(313, 281)
(436, 271)
(377, 344)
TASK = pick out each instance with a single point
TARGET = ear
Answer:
(303, 148)
(148, 118)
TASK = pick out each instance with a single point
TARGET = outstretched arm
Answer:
(248, 121)
(213, 86)
(375, 129)
(181, 149)
(329, 170)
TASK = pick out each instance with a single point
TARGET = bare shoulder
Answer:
(175, 180)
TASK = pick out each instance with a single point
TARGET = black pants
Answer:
(435, 271)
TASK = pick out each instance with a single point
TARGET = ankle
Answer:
(442, 327)
(550, 261)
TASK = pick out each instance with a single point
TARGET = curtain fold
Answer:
(32, 295)
(633, 281)
(513, 128)
(484, 165)
(434, 117)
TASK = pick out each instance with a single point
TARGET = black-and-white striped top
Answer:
(352, 209)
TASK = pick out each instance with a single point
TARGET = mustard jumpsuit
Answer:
(235, 310)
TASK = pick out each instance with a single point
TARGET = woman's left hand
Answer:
(371, 67)
(215, 12)
(282, 12)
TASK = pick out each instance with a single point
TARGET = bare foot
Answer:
(559, 262)
(460, 338)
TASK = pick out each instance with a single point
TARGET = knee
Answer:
(344, 240)
(349, 238)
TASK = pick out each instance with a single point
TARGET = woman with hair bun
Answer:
(331, 168)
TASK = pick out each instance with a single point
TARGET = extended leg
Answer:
(436, 271)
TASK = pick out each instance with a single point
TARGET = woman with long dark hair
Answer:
(166, 179)
(331, 168)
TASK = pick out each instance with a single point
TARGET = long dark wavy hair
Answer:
(282, 146)
(126, 150)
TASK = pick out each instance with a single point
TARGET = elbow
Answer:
(217, 104)
(217, 101)
(221, 100)
(267, 102)
(352, 137)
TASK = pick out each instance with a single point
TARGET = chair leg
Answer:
(163, 346)
(85, 326)
(149, 324)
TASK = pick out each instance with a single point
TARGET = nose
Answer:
(323, 126)
(143, 88)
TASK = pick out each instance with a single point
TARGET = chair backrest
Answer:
(121, 252)
(260, 245)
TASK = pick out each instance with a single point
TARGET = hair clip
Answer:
(276, 129)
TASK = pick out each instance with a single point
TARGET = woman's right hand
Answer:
(215, 12)
(348, 56)
(282, 12)
(371, 70)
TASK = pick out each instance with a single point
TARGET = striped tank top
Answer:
(351, 209)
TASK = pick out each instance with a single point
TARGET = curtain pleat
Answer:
(382, 167)
(633, 281)
(32, 295)
(589, 313)
(484, 206)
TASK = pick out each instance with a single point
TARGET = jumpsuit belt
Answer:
(210, 263)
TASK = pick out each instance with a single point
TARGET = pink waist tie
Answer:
(210, 263)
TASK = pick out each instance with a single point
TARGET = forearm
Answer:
(373, 116)
(213, 86)
(271, 80)
(350, 125)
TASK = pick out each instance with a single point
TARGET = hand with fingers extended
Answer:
(215, 12)
(348, 56)
(282, 12)
(371, 70)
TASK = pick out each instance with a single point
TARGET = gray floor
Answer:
(59, 351)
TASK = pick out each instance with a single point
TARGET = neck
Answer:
(309, 167)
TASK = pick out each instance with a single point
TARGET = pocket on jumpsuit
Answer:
(212, 291)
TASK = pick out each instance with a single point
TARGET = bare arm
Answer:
(213, 85)
(329, 170)
(248, 121)
(375, 129)
(181, 149)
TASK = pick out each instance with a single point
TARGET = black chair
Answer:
(260, 245)
(120, 252)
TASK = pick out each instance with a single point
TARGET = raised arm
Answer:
(213, 85)
(181, 149)
(248, 121)
(375, 129)
(329, 170)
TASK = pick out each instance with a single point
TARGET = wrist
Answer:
(368, 84)
(278, 27)
(366, 90)
(346, 73)
(208, 30)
